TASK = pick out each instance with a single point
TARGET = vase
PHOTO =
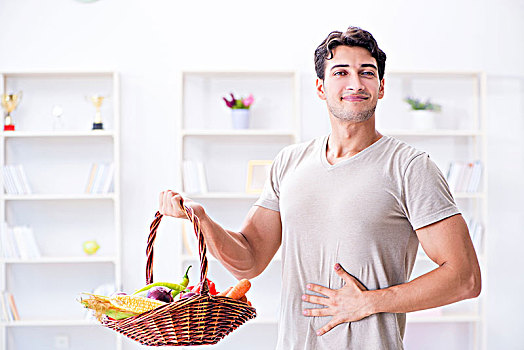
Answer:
(240, 118)
(423, 119)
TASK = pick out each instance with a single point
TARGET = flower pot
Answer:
(423, 119)
(240, 118)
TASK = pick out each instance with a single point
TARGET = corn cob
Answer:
(102, 305)
(135, 304)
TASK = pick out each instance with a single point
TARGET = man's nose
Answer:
(354, 83)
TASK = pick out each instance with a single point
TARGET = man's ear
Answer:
(320, 89)
(381, 89)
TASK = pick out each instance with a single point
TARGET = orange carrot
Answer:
(224, 293)
(244, 299)
(240, 289)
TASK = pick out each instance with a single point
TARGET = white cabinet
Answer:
(207, 137)
(57, 157)
(459, 136)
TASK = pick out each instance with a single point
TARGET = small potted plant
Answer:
(239, 110)
(423, 113)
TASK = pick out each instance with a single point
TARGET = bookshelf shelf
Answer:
(63, 260)
(233, 133)
(59, 134)
(51, 193)
(59, 197)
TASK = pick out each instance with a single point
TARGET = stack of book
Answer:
(18, 242)
(15, 180)
(101, 178)
(464, 176)
(194, 177)
(8, 310)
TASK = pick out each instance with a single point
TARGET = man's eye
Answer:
(339, 73)
(372, 74)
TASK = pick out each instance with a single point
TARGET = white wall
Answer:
(150, 42)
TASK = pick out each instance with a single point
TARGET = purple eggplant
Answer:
(160, 293)
(189, 295)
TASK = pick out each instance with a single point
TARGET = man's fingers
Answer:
(315, 299)
(317, 312)
(332, 324)
(167, 202)
(321, 289)
(160, 202)
(178, 202)
(347, 277)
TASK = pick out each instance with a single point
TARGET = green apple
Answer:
(90, 247)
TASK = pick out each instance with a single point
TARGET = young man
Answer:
(349, 209)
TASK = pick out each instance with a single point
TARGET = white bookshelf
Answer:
(460, 135)
(60, 212)
(206, 135)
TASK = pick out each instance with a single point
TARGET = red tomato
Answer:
(212, 287)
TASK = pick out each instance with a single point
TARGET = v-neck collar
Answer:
(327, 165)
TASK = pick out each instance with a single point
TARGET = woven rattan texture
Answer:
(205, 319)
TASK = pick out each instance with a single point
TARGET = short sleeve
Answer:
(427, 198)
(270, 195)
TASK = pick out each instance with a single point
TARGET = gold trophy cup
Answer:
(9, 104)
(97, 100)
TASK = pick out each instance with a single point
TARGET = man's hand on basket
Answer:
(170, 204)
(346, 304)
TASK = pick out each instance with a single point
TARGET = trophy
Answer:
(97, 100)
(9, 104)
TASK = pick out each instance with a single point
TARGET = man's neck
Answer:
(348, 139)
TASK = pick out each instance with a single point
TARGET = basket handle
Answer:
(190, 213)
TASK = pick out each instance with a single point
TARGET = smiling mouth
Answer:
(354, 98)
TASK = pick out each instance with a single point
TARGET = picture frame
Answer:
(257, 173)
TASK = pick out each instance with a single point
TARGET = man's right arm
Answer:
(245, 253)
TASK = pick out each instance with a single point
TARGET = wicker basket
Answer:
(205, 319)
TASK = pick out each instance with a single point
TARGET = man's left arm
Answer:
(457, 277)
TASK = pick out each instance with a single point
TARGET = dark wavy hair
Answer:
(353, 36)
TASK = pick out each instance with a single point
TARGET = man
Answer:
(349, 210)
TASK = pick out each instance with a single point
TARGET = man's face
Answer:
(351, 86)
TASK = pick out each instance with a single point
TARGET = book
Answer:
(201, 173)
(9, 184)
(30, 242)
(23, 249)
(16, 179)
(91, 179)
(5, 307)
(98, 178)
(12, 307)
(194, 177)
(474, 182)
(21, 175)
(108, 184)
(464, 176)
(10, 248)
(18, 242)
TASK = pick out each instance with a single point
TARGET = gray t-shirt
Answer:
(361, 213)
